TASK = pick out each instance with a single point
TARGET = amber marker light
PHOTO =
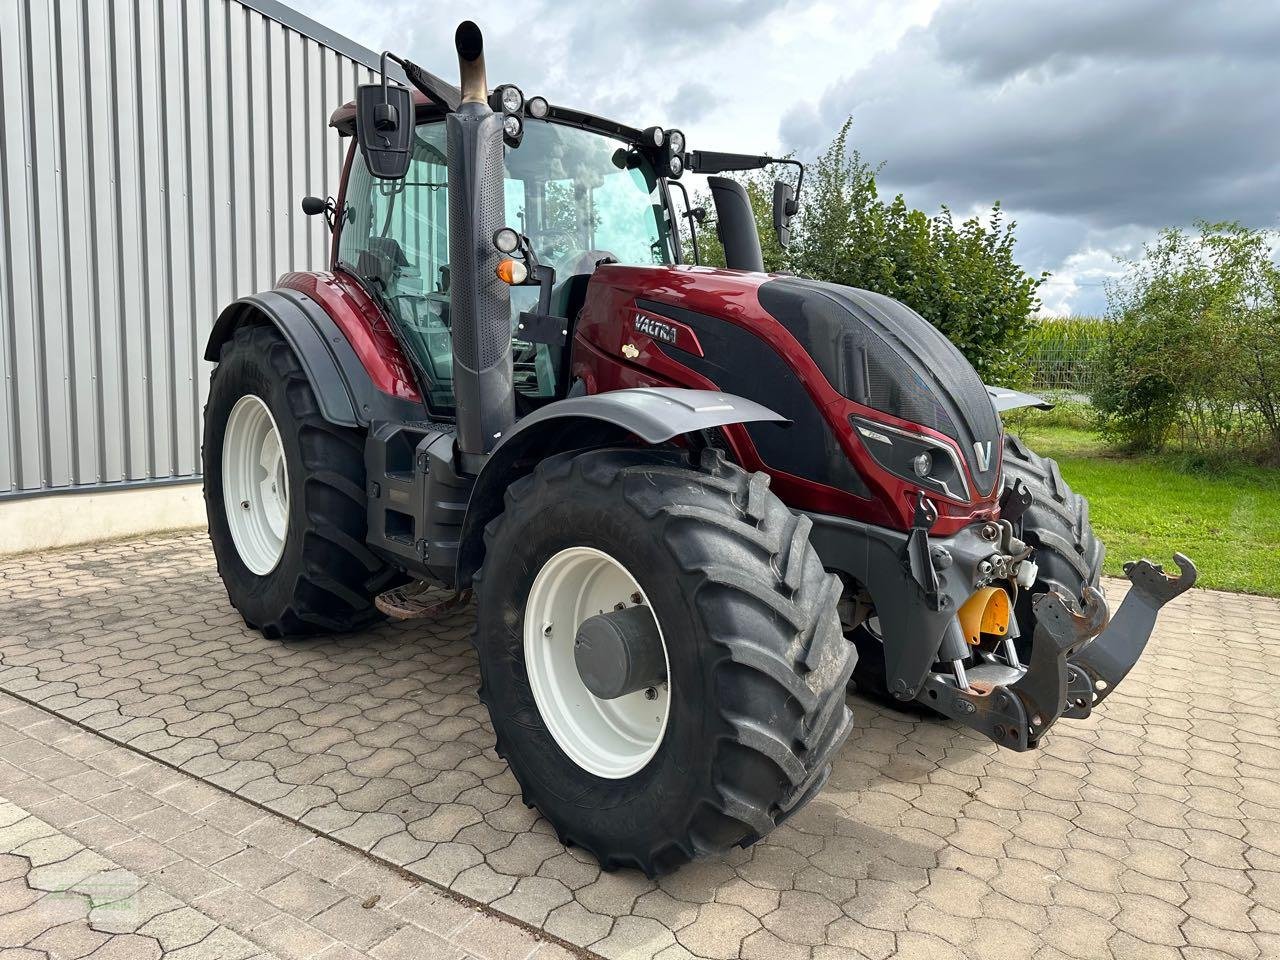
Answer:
(512, 272)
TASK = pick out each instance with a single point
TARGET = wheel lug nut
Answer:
(650, 693)
(244, 504)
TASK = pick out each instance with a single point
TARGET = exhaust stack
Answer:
(483, 380)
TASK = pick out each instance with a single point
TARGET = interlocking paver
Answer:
(91, 907)
(1149, 829)
(68, 900)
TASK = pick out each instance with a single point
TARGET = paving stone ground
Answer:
(1152, 829)
(105, 853)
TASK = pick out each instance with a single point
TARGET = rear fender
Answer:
(344, 390)
(654, 414)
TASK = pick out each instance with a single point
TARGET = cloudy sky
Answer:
(1094, 122)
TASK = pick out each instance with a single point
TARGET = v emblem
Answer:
(983, 450)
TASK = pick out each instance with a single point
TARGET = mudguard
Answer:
(1002, 398)
(654, 414)
(344, 391)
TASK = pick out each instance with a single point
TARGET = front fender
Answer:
(1005, 398)
(654, 414)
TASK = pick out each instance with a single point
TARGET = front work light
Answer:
(655, 136)
(675, 142)
(506, 240)
(538, 107)
(509, 98)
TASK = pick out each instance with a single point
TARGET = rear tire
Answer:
(757, 662)
(325, 578)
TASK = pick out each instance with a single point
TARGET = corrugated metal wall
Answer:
(152, 158)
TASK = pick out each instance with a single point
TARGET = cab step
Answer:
(420, 600)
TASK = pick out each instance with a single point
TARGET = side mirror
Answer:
(784, 208)
(384, 129)
(313, 206)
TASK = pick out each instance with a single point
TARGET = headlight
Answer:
(914, 457)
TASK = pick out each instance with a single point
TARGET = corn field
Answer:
(1059, 352)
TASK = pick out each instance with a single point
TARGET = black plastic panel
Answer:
(879, 352)
(739, 362)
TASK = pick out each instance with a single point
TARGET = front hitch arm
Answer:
(1102, 664)
(1017, 711)
(1047, 684)
(1077, 658)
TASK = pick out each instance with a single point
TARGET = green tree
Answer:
(1193, 351)
(961, 276)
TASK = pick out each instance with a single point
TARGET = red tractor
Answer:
(691, 503)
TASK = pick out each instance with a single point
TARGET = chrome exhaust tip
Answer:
(469, 42)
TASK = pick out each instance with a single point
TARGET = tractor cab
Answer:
(581, 197)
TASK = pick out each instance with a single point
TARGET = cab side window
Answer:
(395, 235)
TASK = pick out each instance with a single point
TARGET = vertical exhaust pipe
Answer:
(480, 303)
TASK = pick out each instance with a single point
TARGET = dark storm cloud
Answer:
(1107, 114)
(1000, 38)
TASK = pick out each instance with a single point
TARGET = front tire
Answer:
(302, 566)
(1067, 551)
(757, 665)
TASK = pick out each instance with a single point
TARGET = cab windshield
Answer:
(580, 197)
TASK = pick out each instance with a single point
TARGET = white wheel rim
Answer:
(609, 738)
(255, 485)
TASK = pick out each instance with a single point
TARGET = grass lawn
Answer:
(1227, 521)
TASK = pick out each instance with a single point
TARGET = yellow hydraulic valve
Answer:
(987, 611)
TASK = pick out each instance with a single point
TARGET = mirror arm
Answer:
(708, 161)
(689, 215)
(545, 274)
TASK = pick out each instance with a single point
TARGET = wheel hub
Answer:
(620, 652)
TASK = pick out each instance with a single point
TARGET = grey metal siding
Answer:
(152, 157)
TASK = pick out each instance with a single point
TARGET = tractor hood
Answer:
(882, 354)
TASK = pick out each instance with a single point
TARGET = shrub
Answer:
(1193, 352)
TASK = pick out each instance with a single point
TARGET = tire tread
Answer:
(803, 669)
